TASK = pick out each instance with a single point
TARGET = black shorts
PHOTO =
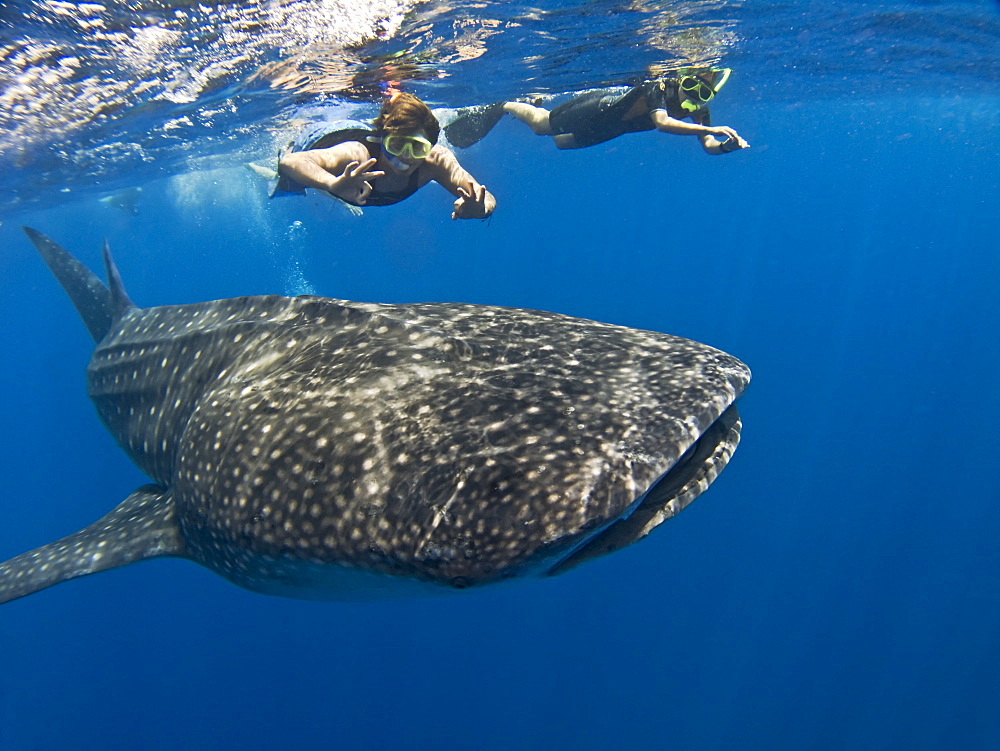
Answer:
(597, 116)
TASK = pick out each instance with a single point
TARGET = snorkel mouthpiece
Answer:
(397, 163)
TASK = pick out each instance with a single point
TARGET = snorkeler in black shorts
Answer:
(598, 115)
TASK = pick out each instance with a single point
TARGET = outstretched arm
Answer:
(472, 200)
(344, 170)
(720, 139)
(730, 141)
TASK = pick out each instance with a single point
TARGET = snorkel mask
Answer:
(414, 148)
(696, 92)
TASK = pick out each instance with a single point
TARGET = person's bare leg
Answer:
(565, 141)
(536, 118)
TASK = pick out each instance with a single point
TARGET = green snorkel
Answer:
(726, 72)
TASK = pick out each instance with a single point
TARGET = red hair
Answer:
(405, 113)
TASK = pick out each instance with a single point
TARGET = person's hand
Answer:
(471, 204)
(354, 185)
(729, 139)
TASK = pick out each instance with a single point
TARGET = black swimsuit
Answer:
(326, 134)
(387, 197)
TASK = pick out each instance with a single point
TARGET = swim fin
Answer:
(473, 123)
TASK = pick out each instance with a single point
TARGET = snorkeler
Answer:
(381, 164)
(595, 116)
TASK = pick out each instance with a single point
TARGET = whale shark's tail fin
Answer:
(98, 306)
(144, 525)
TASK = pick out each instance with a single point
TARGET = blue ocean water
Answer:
(837, 587)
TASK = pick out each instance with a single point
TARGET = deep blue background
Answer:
(838, 586)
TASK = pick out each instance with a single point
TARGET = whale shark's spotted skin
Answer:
(302, 445)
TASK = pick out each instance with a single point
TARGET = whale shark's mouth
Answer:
(685, 481)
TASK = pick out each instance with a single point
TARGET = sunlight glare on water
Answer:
(94, 96)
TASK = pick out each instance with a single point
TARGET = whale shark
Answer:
(319, 448)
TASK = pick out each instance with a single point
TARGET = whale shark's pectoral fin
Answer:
(144, 525)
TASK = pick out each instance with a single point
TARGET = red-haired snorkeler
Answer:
(385, 163)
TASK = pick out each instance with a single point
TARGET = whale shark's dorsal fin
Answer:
(120, 301)
(144, 525)
(92, 300)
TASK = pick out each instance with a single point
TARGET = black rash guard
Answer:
(597, 116)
